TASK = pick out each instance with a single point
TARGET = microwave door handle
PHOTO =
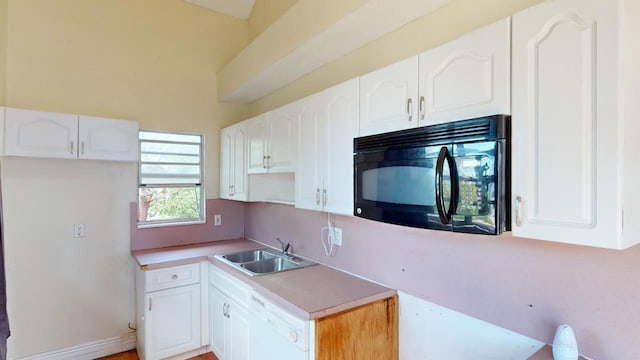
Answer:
(445, 217)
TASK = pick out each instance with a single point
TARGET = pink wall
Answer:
(232, 227)
(524, 285)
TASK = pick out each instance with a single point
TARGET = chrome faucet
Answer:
(285, 247)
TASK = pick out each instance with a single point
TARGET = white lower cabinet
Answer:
(229, 317)
(169, 308)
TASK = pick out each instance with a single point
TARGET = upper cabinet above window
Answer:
(53, 135)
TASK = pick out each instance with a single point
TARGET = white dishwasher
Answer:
(277, 335)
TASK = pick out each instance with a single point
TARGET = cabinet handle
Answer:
(71, 149)
(317, 196)
(82, 147)
(224, 309)
(149, 304)
(174, 277)
(421, 108)
(264, 162)
(268, 162)
(324, 197)
(410, 108)
(518, 206)
(229, 191)
(233, 190)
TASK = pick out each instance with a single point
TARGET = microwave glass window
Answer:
(475, 164)
(400, 184)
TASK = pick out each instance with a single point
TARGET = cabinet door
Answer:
(108, 139)
(239, 189)
(173, 321)
(256, 144)
(388, 98)
(341, 127)
(238, 335)
(41, 134)
(282, 139)
(468, 77)
(218, 323)
(310, 118)
(565, 122)
(226, 162)
(233, 165)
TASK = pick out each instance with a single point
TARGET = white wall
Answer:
(64, 291)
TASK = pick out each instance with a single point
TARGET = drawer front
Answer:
(233, 288)
(172, 277)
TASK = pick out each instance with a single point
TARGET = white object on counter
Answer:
(565, 346)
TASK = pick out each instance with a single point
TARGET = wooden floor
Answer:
(132, 355)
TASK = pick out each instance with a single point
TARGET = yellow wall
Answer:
(445, 24)
(264, 13)
(3, 49)
(154, 61)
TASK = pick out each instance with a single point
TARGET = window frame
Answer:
(198, 186)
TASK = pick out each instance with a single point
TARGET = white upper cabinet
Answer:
(327, 124)
(107, 139)
(52, 135)
(41, 134)
(233, 164)
(271, 141)
(571, 76)
(467, 77)
(388, 98)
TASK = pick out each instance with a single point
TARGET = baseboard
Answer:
(89, 351)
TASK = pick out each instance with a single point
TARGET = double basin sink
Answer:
(263, 261)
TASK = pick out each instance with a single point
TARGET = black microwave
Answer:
(452, 176)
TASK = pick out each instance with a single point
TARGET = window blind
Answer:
(170, 159)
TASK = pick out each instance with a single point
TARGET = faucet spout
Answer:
(285, 247)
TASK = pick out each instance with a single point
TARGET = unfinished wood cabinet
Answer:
(366, 332)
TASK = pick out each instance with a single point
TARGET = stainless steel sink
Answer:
(263, 261)
(249, 256)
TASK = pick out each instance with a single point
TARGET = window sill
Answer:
(168, 224)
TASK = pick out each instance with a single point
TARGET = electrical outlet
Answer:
(336, 239)
(78, 230)
(217, 220)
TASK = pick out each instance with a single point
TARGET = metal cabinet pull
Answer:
(421, 108)
(518, 206)
(410, 108)
(174, 277)
(233, 190)
(82, 147)
(71, 149)
(268, 162)
(257, 300)
(150, 304)
(324, 197)
(264, 162)
(317, 196)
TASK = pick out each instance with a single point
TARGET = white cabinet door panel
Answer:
(218, 323)
(108, 139)
(311, 118)
(173, 321)
(388, 98)
(239, 340)
(282, 139)
(41, 134)
(256, 144)
(340, 130)
(468, 77)
(565, 157)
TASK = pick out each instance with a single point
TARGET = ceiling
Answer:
(240, 9)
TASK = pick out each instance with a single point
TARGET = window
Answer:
(170, 178)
